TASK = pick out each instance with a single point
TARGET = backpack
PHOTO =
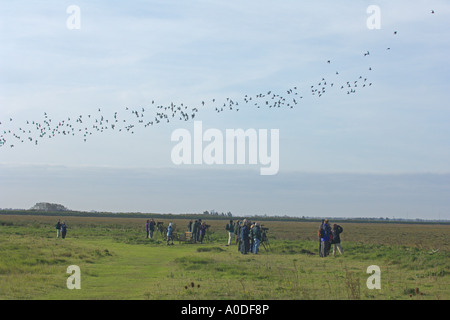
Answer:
(321, 232)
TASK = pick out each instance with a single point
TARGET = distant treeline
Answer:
(193, 216)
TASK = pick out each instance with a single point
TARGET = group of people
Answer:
(329, 236)
(247, 235)
(61, 229)
(150, 226)
(198, 230)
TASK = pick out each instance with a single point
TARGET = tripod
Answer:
(265, 239)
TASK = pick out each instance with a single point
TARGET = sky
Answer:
(373, 143)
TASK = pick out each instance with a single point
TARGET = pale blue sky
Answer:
(128, 54)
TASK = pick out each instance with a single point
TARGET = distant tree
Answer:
(205, 212)
(45, 206)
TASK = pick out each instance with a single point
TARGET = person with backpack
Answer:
(230, 229)
(336, 240)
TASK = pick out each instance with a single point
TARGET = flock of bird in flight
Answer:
(34, 131)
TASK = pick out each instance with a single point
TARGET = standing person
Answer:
(147, 228)
(251, 235)
(202, 231)
(245, 241)
(190, 226)
(320, 233)
(257, 237)
(336, 231)
(151, 227)
(58, 228)
(326, 237)
(170, 233)
(199, 224)
(237, 232)
(63, 230)
(230, 229)
(194, 230)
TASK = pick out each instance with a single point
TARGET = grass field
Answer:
(117, 262)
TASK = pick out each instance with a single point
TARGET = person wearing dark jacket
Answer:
(256, 238)
(202, 232)
(199, 224)
(237, 233)
(58, 228)
(244, 235)
(151, 227)
(194, 231)
(251, 226)
(230, 229)
(336, 241)
(63, 230)
(147, 228)
(325, 238)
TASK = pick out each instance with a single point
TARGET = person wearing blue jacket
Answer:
(170, 234)
(325, 238)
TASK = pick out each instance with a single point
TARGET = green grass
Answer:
(117, 262)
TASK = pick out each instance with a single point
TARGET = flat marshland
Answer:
(117, 261)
